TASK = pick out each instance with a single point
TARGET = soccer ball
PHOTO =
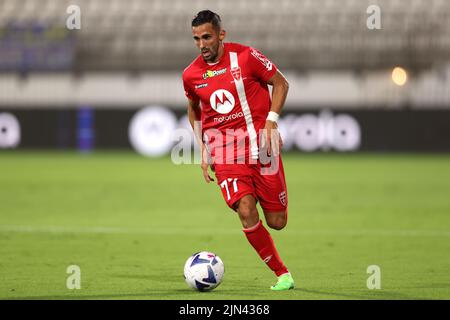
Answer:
(203, 271)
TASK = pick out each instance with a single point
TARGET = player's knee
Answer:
(278, 225)
(277, 221)
(247, 210)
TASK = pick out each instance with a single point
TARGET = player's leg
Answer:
(272, 193)
(239, 193)
(247, 211)
(276, 219)
(258, 236)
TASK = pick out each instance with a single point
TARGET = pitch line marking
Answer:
(173, 231)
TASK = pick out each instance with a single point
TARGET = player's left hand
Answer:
(206, 163)
(272, 138)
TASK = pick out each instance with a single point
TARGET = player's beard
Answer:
(213, 52)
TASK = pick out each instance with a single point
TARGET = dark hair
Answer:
(207, 16)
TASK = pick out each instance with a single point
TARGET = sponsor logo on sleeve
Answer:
(266, 62)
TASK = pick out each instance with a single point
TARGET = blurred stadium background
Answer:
(129, 55)
(351, 89)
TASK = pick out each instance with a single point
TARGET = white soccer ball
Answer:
(203, 271)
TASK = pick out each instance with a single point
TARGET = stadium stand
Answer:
(300, 34)
(143, 45)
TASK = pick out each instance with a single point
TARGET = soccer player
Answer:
(227, 91)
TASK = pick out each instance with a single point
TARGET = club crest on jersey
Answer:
(236, 72)
(282, 197)
(222, 101)
(210, 74)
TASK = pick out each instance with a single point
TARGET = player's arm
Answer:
(279, 94)
(194, 115)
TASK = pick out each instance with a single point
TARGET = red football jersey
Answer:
(234, 99)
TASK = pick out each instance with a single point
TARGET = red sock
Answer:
(260, 239)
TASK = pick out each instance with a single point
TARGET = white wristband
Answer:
(273, 116)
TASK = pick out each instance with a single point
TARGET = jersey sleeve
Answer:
(188, 90)
(261, 67)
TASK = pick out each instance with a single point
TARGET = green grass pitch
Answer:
(130, 223)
